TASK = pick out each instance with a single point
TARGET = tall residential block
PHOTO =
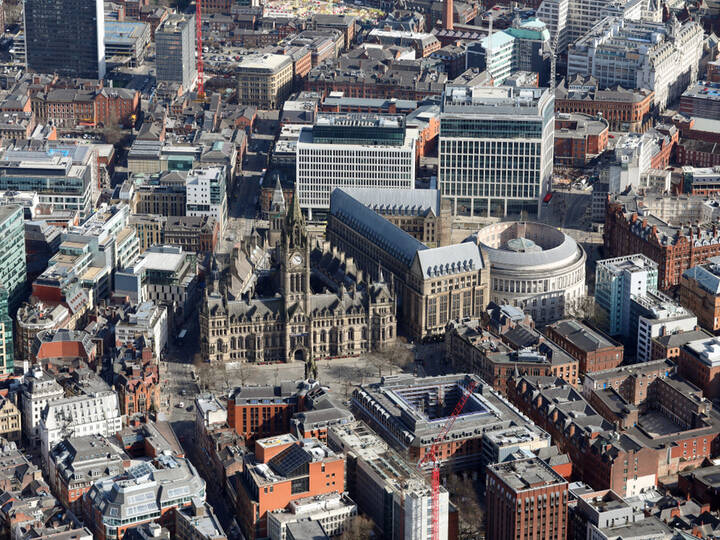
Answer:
(353, 150)
(175, 51)
(12, 254)
(66, 37)
(526, 498)
(496, 149)
(616, 281)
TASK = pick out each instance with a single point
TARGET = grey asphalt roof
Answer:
(705, 278)
(564, 252)
(581, 336)
(398, 201)
(452, 259)
(375, 227)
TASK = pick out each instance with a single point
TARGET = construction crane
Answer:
(198, 42)
(432, 457)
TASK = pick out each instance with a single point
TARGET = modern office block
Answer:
(175, 51)
(496, 149)
(66, 37)
(522, 47)
(353, 150)
(616, 281)
(206, 194)
(6, 336)
(12, 255)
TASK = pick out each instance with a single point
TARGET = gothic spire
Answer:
(294, 216)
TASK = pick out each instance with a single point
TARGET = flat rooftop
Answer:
(524, 474)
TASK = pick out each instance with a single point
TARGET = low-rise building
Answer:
(146, 492)
(76, 463)
(624, 109)
(263, 411)
(332, 511)
(10, 420)
(470, 348)
(593, 350)
(669, 345)
(579, 138)
(656, 314)
(701, 99)
(264, 81)
(281, 470)
(198, 522)
(164, 275)
(699, 362)
(92, 410)
(39, 389)
(31, 319)
(146, 320)
(396, 409)
(700, 293)
(16, 470)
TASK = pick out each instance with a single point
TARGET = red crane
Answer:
(431, 456)
(198, 42)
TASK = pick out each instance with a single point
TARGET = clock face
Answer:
(296, 259)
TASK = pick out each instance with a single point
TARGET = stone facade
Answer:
(298, 324)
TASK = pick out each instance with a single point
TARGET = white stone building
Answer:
(663, 57)
(353, 150)
(39, 390)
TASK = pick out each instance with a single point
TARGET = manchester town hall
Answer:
(297, 300)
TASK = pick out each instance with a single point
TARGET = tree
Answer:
(358, 528)
(467, 501)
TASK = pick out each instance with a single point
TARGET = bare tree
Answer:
(471, 512)
(358, 528)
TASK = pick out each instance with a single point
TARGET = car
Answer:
(180, 405)
(189, 408)
(183, 392)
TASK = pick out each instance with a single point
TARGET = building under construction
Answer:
(392, 492)
(410, 413)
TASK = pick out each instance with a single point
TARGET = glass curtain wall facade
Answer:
(66, 37)
(496, 157)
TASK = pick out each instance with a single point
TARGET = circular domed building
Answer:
(533, 266)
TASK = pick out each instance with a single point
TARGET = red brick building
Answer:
(263, 411)
(216, 6)
(594, 350)
(698, 153)
(115, 106)
(138, 385)
(579, 138)
(526, 498)
(699, 362)
(281, 470)
(578, 430)
(674, 248)
(623, 109)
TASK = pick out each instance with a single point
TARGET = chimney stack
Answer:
(448, 15)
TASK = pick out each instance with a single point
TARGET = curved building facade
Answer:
(534, 266)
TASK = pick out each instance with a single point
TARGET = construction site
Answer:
(418, 416)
